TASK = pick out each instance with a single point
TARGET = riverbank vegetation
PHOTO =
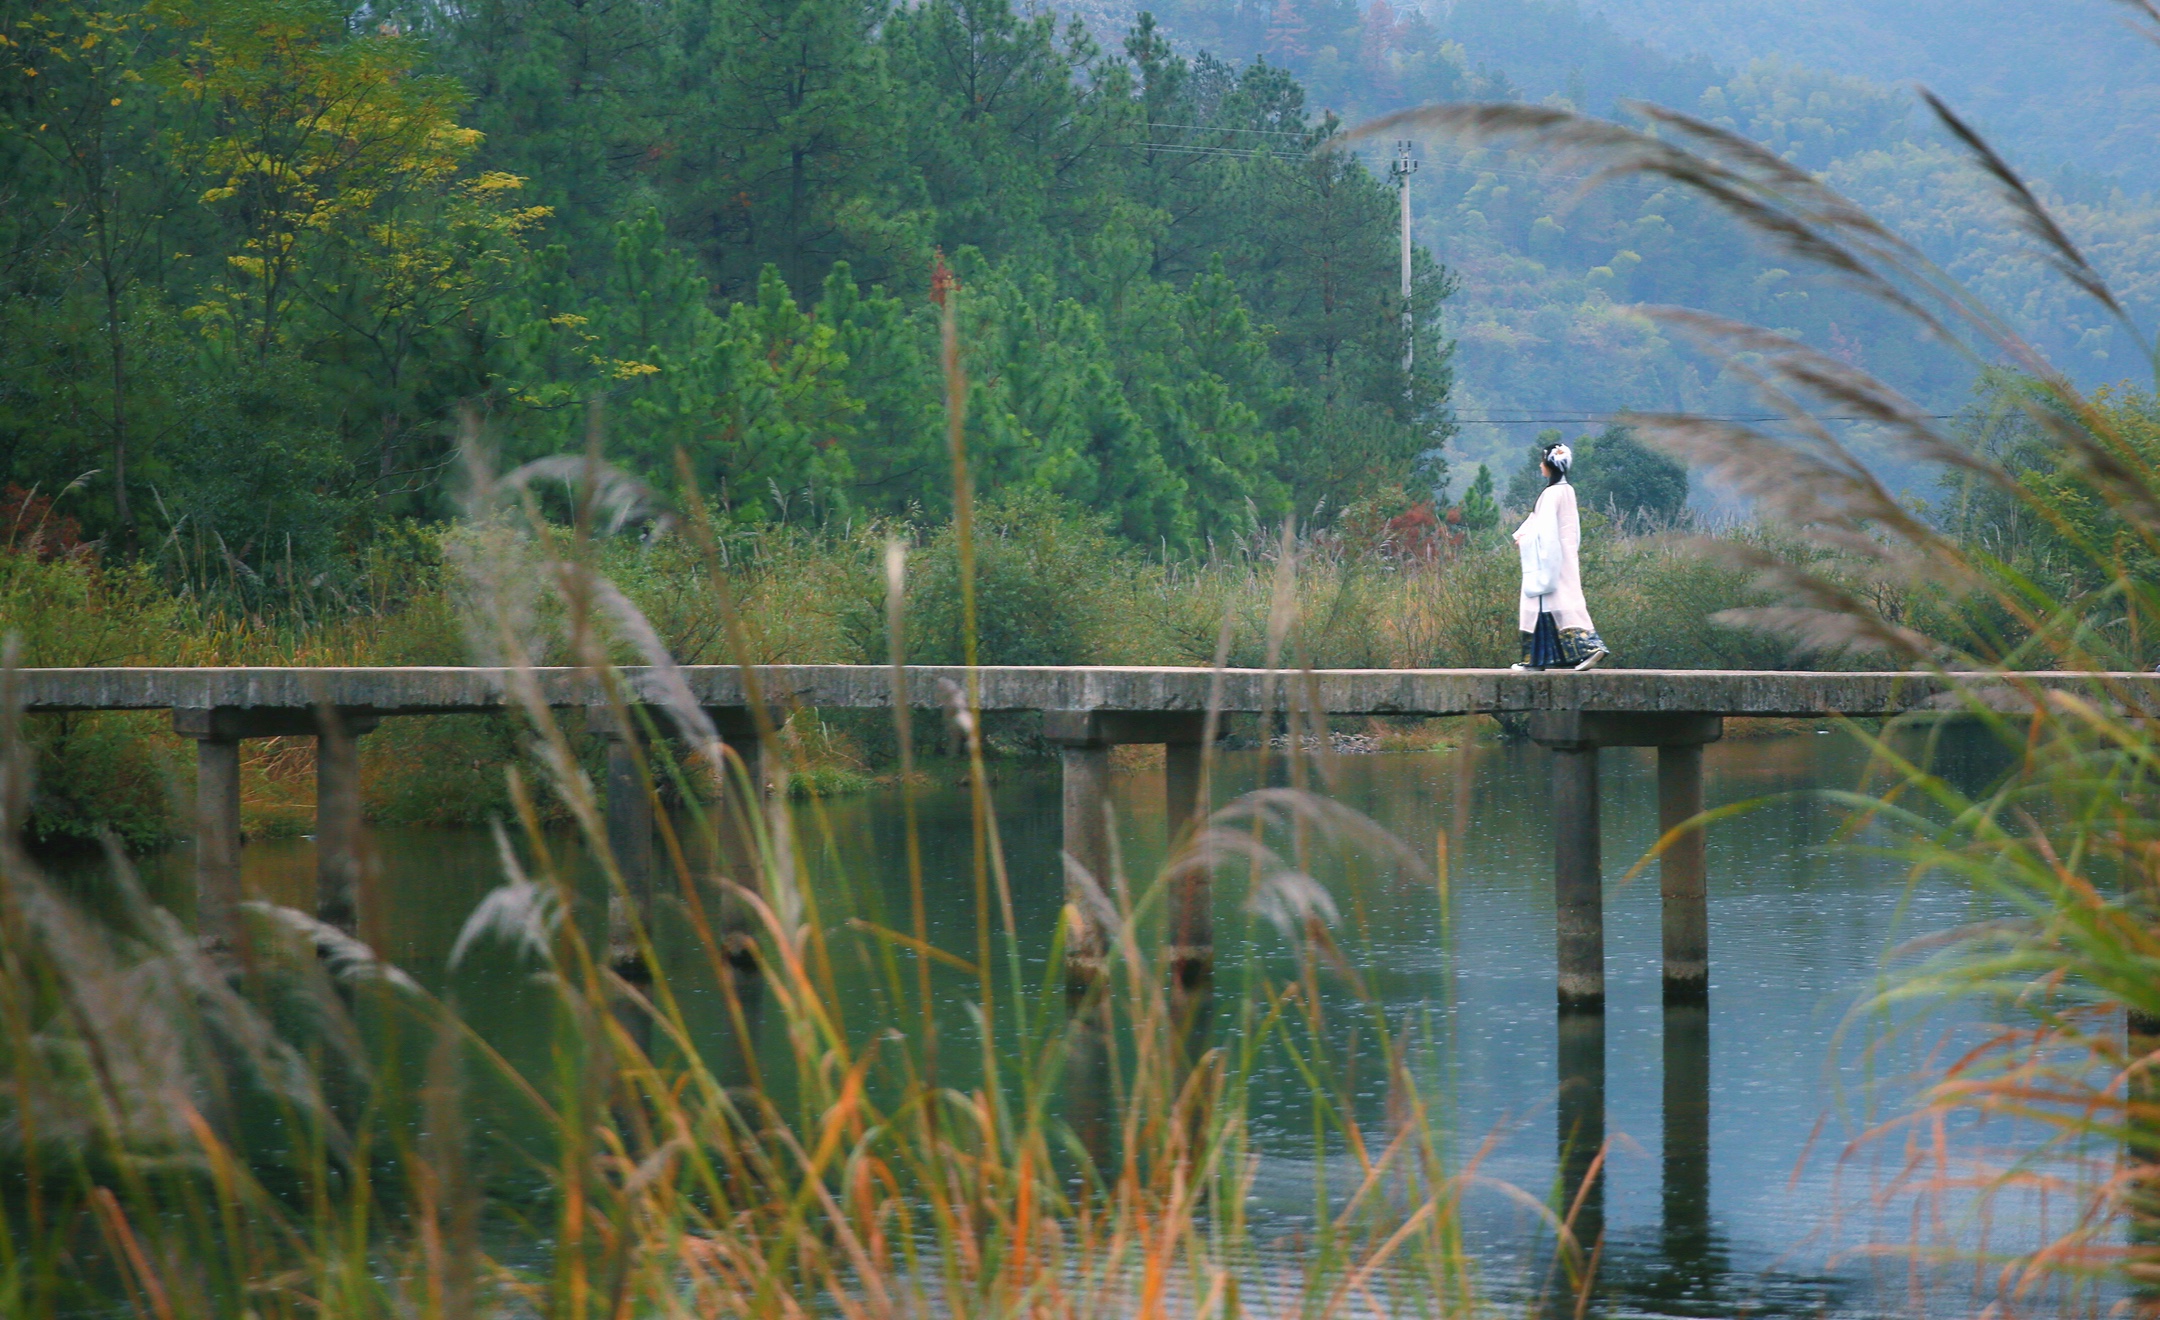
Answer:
(1054, 585)
(257, 254)
(291, 1127)
(1390, 584)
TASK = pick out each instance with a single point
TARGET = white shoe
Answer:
(1522, 667)
(1592, 660)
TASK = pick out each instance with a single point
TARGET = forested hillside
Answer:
(1549, 275)
(258, 255)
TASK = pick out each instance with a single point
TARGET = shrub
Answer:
(1618, 473)
(1053, 586)
(1613, 472)
(1480, 511)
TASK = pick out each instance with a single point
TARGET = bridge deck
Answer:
(441, 690)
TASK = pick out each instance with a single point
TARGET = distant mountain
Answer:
(1545, 320)
(2056, 81)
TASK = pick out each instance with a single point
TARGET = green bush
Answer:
(1622, 475)
(117, 771)
(1613, 472)
(1053, 586)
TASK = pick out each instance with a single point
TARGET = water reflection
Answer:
(1090, 1087)
(1582, 1154)
(1690, 1248)
(1580, 1127)
(1703, 1208)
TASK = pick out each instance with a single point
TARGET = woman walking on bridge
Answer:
(1552, 616)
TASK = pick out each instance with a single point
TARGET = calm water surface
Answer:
(1756, 1207)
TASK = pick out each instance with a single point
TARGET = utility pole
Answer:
(1400, 169)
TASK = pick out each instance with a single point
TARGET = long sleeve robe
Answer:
(1566, 603)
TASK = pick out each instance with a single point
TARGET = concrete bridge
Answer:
(1085, 711)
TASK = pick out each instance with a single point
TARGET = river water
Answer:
(1731, 1186)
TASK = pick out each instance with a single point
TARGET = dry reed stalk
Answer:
(2067, 839)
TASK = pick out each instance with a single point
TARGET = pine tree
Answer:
(777, 150)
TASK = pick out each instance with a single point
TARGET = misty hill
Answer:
(1543, 315)
(2060, 81)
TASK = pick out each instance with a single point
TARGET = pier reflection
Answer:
(1090, 1097)
(2141, 1145)
(1694, 1259)
(1686, 1162)
(1580, 1130)
(1688, 1268)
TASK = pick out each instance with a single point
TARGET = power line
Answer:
(1188, 149)
(1249, 153)
(1308, 136)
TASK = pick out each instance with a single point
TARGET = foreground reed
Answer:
(293, 1126)
(2031, 1160)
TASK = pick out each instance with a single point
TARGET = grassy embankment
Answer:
(1053, 589)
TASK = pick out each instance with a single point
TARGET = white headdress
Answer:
(1561, 457)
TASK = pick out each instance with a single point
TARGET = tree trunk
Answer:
(386, 462)
(125, 524)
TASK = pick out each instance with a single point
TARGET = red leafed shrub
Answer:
(28, 526)
(1418, 533)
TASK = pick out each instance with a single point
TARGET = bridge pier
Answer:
(1681, 875)
(1575, 736)
(1578, 878)
(1192, 890)
(1579, 1129)
(741, 819)
(629, 837)
(217, 732)
(630, 821)
(217, 828)
(1084, 739)
(1685, 1166)
(338, 858)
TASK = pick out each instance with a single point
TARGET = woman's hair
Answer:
(1557, 459)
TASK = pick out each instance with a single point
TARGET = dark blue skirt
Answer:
(1545, 644)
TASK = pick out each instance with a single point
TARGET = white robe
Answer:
(1566, 602)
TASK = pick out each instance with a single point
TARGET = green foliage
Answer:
(1168, 337)
(1618, 473)
(1613, 472)
(1480, 511)
(2047, 529)
(447, 770)
(96, 772)
(268, 248)
(107, 773)
(1052, 587)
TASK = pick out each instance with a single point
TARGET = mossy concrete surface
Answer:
(430, 690)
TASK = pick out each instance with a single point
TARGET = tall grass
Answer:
(304, 1130)
(296, 1128)
(2031, 1156)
